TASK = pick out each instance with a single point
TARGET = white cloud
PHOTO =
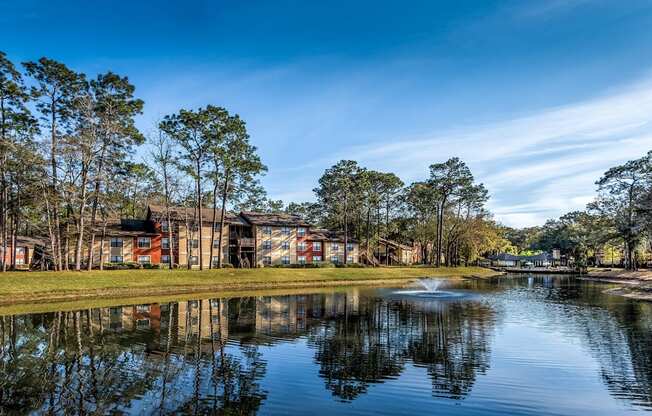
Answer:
(538, 166)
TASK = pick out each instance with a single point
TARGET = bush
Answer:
(227, 266)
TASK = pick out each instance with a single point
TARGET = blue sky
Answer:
(538, 97)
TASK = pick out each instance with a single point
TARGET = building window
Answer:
(144, 259)
(142, 323)
(349, 247)
(285, 260)
(335, 259)
(267, 244)
(216, 242)
(285, 230)
(165, 227)
(116, 242)
(20, 261)
(267, 260)
(194, 260)
(316, 259)
(267, 230)
(144, 242)
(142, 308)
(316, 246)
(335, 247)
(285, 245)
(194, 243)
(165, 243)
(301, 231)
(349, 259)
(216, 260)
(302, 246)
(116, 259)
(301, 259)
(165, 259)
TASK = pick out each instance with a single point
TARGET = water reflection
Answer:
(210, 356)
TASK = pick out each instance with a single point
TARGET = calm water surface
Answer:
(517, 345)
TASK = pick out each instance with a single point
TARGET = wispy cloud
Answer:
(537, 166)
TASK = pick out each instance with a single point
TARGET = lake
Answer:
(518, 345)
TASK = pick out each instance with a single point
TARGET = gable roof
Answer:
(323, 234)
(276, 219)
(26, 241)
(119, 227)
(178, 213)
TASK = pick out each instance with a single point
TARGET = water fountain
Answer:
(431, 289)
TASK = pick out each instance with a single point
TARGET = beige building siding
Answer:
(126, 251)
(277, 238)
(203, 318)
(183, 237)
(329, 252)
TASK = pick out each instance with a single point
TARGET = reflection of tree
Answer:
(355, 351)
(453, 344)
(450, 340)
(616, 331)
(75, 363)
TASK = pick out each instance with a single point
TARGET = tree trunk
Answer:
(346, 229)
(440, 232)
(96, 202)
(213, 224)
(80, 233)
(225, 192)
(201, 222)
(387, 262)
(55, 193)
(103, 238)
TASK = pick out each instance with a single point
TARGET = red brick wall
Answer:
(154, 251)
(175, 238)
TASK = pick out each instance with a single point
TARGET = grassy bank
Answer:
(31, 287)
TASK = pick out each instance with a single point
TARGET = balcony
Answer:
(246, 242)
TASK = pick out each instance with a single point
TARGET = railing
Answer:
(246, 242)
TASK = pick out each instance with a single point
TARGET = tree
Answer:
(164, 161)
(56, 87)
(115, 110)
(621, 192)
(448, 180)
(336, 194)
(15, 119)
(188, 130)
(390, 186)
(240, 165)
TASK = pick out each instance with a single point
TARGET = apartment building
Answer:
(249, 239)
(22, 257)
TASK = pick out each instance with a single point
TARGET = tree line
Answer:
(614, 229)
(67, 167)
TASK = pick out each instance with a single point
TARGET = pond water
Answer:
(518, 345)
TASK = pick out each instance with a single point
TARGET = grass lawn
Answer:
(31, 287)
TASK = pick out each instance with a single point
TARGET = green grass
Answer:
(24, 287)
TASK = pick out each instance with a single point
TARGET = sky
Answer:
(538, 97)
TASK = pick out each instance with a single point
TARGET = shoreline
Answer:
(84, 287)
(632, 284)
